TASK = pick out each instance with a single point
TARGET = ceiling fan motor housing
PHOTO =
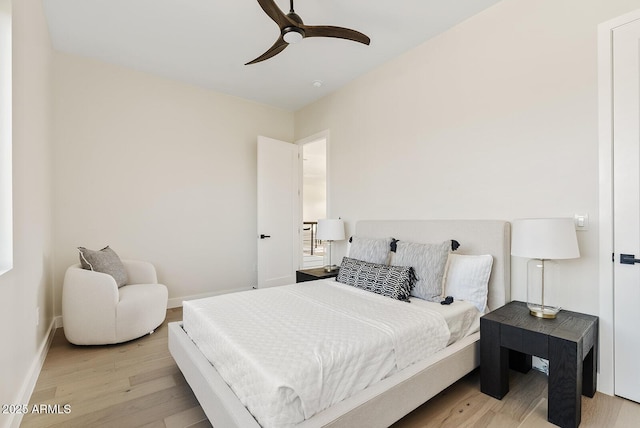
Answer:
(295, 17)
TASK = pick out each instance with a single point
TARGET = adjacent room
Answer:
(162, 162)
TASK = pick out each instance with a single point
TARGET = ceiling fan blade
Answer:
(274, 50)
(335, 32)
(273, 11)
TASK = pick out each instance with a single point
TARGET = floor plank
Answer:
(137, 384)
(186, 418)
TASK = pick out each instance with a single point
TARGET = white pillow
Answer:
(467, 278)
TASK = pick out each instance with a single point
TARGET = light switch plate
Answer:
(581, 221)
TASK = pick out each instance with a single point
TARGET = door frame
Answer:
(605, 145)
(311, 138)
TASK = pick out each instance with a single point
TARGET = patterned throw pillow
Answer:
(390, 281)
(105, 261)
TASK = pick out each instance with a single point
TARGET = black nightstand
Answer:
(313, 274)
(509, 336)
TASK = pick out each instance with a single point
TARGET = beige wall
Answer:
(496, 118)
(28, 285)
(160, 171)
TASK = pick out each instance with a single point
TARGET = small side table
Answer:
(509, 336)
(313, 274)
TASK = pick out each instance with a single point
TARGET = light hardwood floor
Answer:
(137, 384)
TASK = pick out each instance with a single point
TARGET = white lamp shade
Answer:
(544, 238)
(330, 230)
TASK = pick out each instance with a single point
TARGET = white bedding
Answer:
(463, 318)
(290, 352)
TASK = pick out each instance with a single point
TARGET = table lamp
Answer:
(543, 240)
(330, 230)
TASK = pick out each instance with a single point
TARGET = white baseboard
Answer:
(32, 377)
(176, 302)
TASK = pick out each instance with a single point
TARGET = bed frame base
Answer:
(377, 406)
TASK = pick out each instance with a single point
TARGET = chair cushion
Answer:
(141, 308)
(105, 261)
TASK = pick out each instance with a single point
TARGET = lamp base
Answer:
(547, 312)
(331, 268)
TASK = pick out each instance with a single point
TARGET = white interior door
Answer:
(626, 217)
(278, 212)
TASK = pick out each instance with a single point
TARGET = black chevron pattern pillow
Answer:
(390, 281)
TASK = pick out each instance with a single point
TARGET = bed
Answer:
(387, 400)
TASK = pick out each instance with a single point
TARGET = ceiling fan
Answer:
(293, 30)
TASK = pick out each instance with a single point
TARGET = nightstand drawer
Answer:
(530, 343)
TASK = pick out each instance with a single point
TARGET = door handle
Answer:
(263, 236)
(628, 259)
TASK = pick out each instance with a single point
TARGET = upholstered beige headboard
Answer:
(475, 237)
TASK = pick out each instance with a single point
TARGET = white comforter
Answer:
(290, 352)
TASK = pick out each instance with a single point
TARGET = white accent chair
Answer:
(96, 312)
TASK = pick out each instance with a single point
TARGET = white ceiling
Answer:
(207, 42)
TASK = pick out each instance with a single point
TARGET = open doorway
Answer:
(314, 199)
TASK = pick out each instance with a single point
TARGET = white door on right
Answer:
(626, 195)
